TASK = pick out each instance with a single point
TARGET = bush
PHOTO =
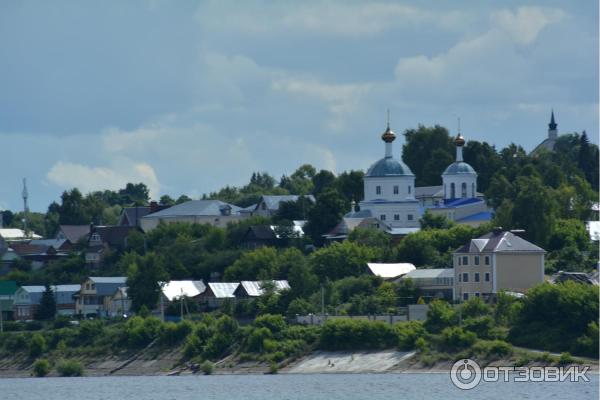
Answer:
(348, 334)
(454, 338)
(408, 333)
(69, 368)
(141, 331)
(493, 348)
(274, 323)
(207, 367)
(483, 327)
(14, 342)
(173, 333)
(439, 316)
(421, 345)
(41, 367)
(566, 359)
(37, 345)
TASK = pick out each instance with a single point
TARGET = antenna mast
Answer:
(25, 195)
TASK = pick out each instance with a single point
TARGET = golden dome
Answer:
(459, 140)
(388, 136)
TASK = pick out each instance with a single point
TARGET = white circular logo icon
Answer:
(465, 374)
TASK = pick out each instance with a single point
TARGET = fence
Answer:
(415, 312)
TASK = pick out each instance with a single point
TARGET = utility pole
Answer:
(181, 305)
(25, 195)
(1, 318)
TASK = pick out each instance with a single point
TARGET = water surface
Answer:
(291, 387)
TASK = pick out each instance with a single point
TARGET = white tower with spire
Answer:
(389, 187)
(25, 195)
(459, 179)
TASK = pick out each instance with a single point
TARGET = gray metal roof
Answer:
(56, 243)
(173, 290)
(196, 208)
(254, 288)
(494, 242)
(108, 279)
(62, 293)
(459, 167)
(223, 290)
(428, 191)
(106, 286)
(389, 166)
(430, 273)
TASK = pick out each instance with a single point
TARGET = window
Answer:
(396, 190)
(382, 217)
(476, 277)
(263, 206)
(472, 189)
(477, 294)
(486, 260)
(452, 191)
(444, 191)
(465, 296)
(476, 260)
(487, 276)
(410, 217)
(409, 188)
(95, 238)
(465, 277)
(463, 191)
(396, 217)
(460, 277)
(465, 260)
(377, 189)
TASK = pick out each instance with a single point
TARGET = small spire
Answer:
(388, 118)
(552, 125)
(458, 125)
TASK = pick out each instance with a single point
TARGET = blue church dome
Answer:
(459, 167)
(388, 166)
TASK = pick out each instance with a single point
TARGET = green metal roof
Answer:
(8, 288)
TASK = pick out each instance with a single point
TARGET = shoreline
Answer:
(315, 363)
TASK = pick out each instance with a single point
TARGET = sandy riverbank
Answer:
(148, 363)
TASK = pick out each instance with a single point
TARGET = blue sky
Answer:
(190, 96)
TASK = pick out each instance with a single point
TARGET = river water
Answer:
(291, 387)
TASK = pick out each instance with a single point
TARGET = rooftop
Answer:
(389, 166)
(498, 242)
(388, 271)
(459, 167)
(197, 208)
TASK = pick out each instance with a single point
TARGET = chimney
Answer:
(154, 207)
(497, 230)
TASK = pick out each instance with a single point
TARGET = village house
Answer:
(218, 292)
(94, 294)
(7, 298)
(27, 300)
(119, 304)
(497, 261)
(103, 239)
(212, 212)
(253, 289)
(433, 283)
(132, 216)
(268, 205)
(73, 233)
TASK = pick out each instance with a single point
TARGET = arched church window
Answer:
(377, 189)
(472, 189)
(445, 191)
(409, 188)
(463, 192)
(452, 191)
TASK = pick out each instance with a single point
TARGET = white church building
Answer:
(391, 198)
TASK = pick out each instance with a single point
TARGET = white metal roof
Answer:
(223, 289)
(593, 228)
(254, 288)
(173, 290)
(15, 234)
(390, 270)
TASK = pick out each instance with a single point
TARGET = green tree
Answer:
(143, 279)
(135, 193)
(534, 209)
(419, 150)
(166, 200)
(326, 213)
(323, 180)
(47, 308)
(341, 259)
(252, 265)
(433, 221)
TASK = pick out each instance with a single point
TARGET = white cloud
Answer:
(338, 18)
(68, 175)
(526, 23)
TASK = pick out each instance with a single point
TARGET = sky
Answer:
(190, 96)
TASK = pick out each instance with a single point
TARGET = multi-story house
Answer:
(497, 261)
(94, 295)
